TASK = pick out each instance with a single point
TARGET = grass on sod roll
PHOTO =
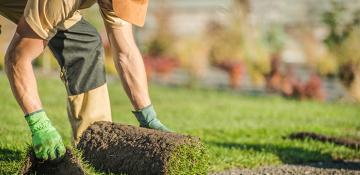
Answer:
(178, 163)
(238, 130)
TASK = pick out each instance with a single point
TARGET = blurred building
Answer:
(187, 17)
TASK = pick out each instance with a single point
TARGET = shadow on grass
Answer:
(9, 155)
(293, 155)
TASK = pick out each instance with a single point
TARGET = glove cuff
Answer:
(145, 115)
(38, 121)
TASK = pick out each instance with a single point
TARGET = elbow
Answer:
(10, 61)
(13, 58)
(122, 58)
(126, 59)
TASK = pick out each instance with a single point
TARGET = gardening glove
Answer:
(46, 141)
(147, 119)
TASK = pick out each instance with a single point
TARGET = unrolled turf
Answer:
(118, 148)
(348, 142)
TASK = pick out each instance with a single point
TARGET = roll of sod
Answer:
(117, 148)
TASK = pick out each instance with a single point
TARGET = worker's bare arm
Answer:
(129, 64)
(25, 46)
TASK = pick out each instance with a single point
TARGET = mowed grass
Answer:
(239, 131)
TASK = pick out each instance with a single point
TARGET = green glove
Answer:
(46, 141)
(147, 119)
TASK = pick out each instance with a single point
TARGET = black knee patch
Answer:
(80, 52)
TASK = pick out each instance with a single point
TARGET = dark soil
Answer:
(331, 168)
(354, 144)
(69, 165)
(132, 150)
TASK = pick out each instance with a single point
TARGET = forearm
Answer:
(131, 70)
(130, 65)
(21, 75)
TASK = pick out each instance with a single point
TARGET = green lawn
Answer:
(240, 131)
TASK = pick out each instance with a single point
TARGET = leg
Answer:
(79, 52)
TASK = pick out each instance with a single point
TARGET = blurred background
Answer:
(297, 49)
(242, 75)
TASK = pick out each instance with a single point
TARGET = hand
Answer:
(147, 119)
(48, 145)
(47, 142)
(156, 124)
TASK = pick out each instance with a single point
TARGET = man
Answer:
(78, 50)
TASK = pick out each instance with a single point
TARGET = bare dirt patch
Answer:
(68, 165)
(329, 168)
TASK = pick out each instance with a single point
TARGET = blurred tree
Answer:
(228, 43)
(160, 48)
(161, 43)
(338, 33)
(193, 56)
(275, 37)
(243, 5)
(236, 43)
(344, 41)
